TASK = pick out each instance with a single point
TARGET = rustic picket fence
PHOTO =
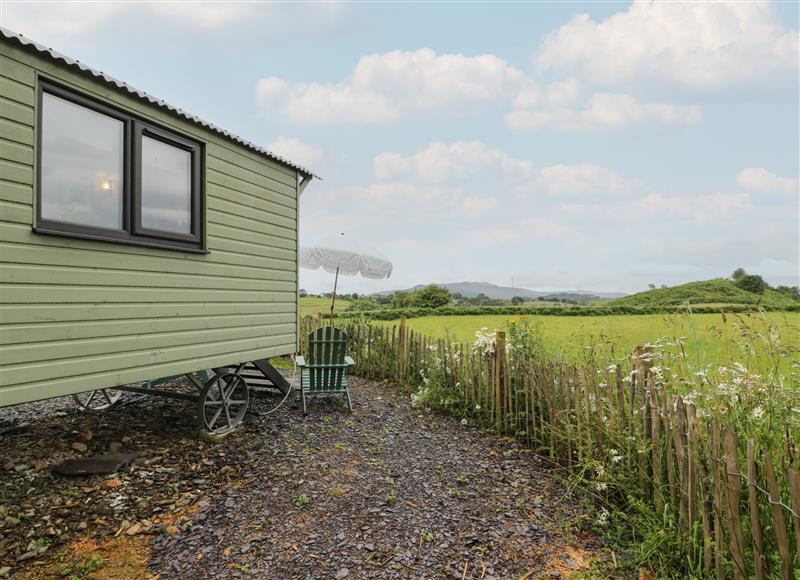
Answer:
(735, 506)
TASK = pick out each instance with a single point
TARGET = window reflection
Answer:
(166, 187)
(82, 165)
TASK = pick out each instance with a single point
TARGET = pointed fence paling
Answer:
(735, 506)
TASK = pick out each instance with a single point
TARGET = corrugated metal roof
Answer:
(77, 65)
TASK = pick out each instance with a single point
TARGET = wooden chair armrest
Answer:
(300, 360)
(349, 361)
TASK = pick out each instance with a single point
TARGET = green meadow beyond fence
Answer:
(731, 500)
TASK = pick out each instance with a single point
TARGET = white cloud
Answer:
(296, 151)
(696, 44)
(385, 200)
(521, 231)
(542, 228)
(57, 20)
(760, 180)
(553, 95)
(473, 206)
(580, 179)
(699, 209)
(318, 104)
(464, 162)
(440, 162)
(383, 87)
(603, 111)
(204, 15)
(93, 25)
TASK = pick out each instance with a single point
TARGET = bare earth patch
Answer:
(388, 492)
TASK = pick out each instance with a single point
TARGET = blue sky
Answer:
(600, 146)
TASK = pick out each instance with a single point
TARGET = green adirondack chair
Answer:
(325, 372)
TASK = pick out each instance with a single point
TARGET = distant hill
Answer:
(715, 292)
(580, 296)
(472, 289)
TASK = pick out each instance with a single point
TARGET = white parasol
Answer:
(341, 255)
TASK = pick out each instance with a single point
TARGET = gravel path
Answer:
(387, 492)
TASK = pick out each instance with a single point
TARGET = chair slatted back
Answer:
(326, 351)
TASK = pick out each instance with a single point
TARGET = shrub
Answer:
(402, 299)
(791, 291)
(432, 296)
(751, 283)
(362, 304)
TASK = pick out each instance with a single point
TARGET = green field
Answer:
(310, 305)
(708, 338)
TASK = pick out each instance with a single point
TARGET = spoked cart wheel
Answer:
(97, 400)
(223, 402)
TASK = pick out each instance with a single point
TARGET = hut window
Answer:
(166, 185)
(105, 174)
(82, 165)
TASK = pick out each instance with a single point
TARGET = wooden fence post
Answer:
(793, 477)
(679, 434)
(655, 437)
(402, 342)
(694, 458)
(499, 378)
(719, 530)
(734, 496)
(707, 506)
(755, 521)
(779, 523)
(620, 397)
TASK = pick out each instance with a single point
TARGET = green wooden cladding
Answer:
(77, 314)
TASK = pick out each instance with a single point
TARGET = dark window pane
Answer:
(82, 161)
(166, 187)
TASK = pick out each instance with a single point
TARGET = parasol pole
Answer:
(333, 301)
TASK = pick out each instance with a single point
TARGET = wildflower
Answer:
(758, 412)
(602, 517)
(477, 407)
(463, 421)
(601, 486)
(616, 456)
